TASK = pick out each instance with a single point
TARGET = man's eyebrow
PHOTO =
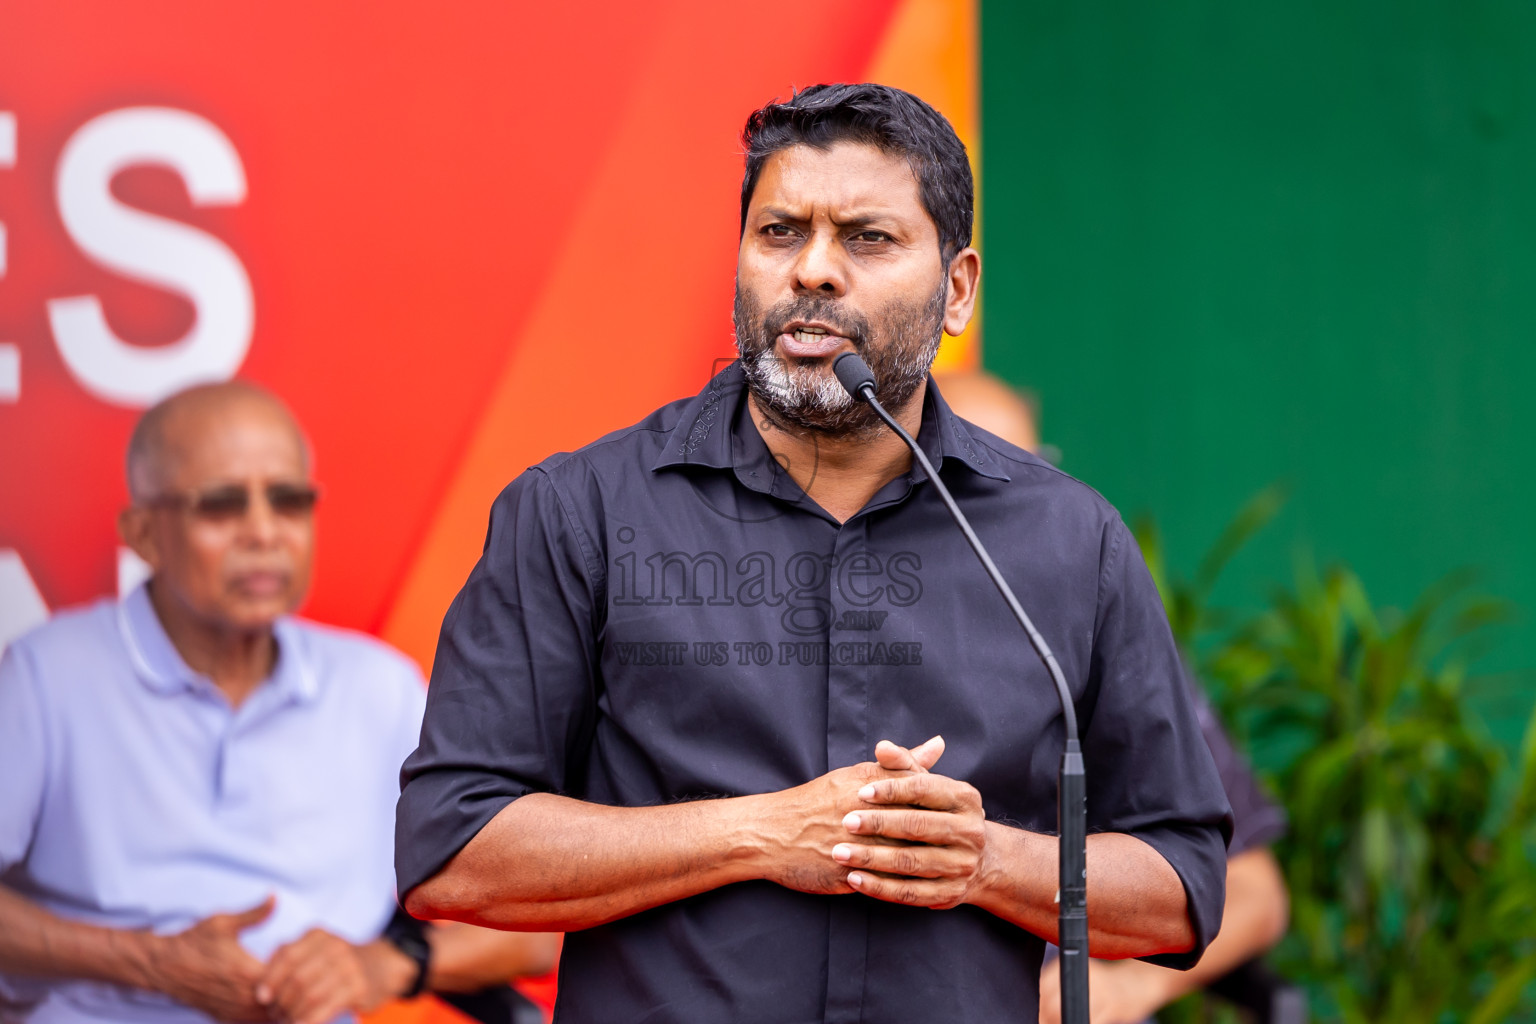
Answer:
(856, 220)
(779, 213)
(865, 220)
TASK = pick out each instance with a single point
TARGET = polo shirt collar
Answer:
(162, 669)
(713, 431)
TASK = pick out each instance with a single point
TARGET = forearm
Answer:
(1252, 921)
(1136, 903)
(390, 972)
(551, 863)
(34, 941)
(467, 959)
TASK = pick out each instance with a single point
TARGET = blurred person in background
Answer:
(197, 805)
(987, 401)
(1254, 918)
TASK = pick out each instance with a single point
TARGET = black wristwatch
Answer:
(409, 936)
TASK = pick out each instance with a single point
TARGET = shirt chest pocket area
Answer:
(693, 686)
(667, 655)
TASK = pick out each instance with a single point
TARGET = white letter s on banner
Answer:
(154, 250)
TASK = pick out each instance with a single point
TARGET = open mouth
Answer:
(811, 341)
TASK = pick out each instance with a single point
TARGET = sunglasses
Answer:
(233, 501)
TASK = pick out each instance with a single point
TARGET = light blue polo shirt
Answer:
(132, 795)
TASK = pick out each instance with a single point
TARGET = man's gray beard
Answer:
(800, 389)
(810, 396)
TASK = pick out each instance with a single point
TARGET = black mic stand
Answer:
(1072, 801)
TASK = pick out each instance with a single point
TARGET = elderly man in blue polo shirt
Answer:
(197, 790)
(728, 697)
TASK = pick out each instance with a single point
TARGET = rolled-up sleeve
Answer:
(1150, 773)
(512, 700)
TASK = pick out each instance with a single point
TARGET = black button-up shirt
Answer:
(665, 615)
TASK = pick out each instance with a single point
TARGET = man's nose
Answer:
(822, 267)
(260, 523)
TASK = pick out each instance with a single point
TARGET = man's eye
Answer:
(222, 503)
(778, 231)
(872, 236)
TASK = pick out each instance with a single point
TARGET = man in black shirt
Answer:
(676, 708)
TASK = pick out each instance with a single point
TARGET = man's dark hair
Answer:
(876, 115)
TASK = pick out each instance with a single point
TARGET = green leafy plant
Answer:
(1412, 838)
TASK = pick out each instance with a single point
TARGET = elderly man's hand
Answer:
(319, 976)
(206, 967)
(806, 822)
(923, 841)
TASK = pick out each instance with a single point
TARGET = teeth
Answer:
(809, 334)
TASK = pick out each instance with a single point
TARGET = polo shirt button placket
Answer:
(219, 719)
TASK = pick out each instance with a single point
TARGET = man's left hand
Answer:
(319, 976)
(940, 824)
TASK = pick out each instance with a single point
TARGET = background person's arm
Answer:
(320, 975)
(204, 967)
(468, 959)
(1130, 991)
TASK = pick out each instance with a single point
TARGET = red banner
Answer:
(455, 238)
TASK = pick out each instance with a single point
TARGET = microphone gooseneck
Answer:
(859, 381)
(1071, 808)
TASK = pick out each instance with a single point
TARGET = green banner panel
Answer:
(1231, 244)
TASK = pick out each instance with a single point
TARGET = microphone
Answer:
(854, 374)
(1072, 798)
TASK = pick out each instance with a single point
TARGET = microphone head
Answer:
(854, 374)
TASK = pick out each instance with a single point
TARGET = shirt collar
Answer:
(161, 667)
(706, 425)
(954, 440)
(711, 432)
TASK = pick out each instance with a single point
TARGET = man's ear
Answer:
(135, 528)
(964, 275)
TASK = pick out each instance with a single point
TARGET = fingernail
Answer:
(855, 879)
(867, 793)
(263, 994)
(935, 739)
(841, 852)
(851, 822)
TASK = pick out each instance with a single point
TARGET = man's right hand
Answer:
(806, 822)
(206, 967)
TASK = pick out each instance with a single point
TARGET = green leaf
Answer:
(1525, 801)
(1507, 993)
(1250, 519)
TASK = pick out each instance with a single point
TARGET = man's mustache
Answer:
(854, 328)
